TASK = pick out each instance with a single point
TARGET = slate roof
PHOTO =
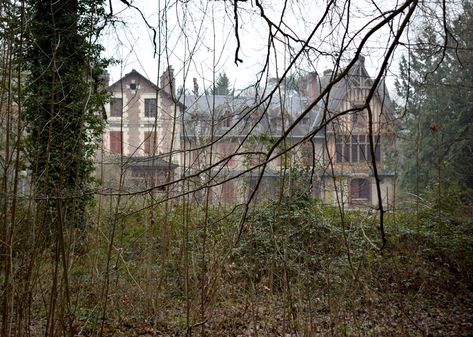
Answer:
(141, 161)
(245, 111)
(133, 73)
(148, 161)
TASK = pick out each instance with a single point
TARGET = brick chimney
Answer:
(328, 72)
(168, 82)
(309, 85)
(105, 79)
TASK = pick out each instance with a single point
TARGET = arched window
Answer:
(360, 190)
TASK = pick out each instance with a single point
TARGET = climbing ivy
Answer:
(64, 94)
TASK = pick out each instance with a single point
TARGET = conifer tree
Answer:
(436, 85)
(222, 85)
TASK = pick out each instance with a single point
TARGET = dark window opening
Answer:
(360, 189)
(362, 147)
(356, 148)
(116, 107)
(227, 119)
(339, 149)
(377, 150)
(150, 107)
(132, 86)
(150, 142)
(346, 152)
(116, 142)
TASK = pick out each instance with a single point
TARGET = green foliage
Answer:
(222, 86)
(64, 94)
(436, 86)
(295, 248)
(281, 236)
(449, 245)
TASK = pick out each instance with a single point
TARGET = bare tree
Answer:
(208, 199)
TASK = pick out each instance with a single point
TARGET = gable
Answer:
(133, 77)
(143, 84)
(353, 89)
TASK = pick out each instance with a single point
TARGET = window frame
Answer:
(114, 112)
(149, 142)
(360, 189)
(355, 148)
(359, 119)
(116, 142)
(150, 113)
(227, 120)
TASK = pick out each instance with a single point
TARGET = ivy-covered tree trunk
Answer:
(63, 97)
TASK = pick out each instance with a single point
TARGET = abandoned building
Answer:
(313, 138)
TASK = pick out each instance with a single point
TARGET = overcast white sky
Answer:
(198, 39)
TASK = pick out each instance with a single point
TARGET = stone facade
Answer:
(332, 160)
(319, 139)
(141, 132)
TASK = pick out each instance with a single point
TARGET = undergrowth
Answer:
(296, 268)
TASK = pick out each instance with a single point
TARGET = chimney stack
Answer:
(328, 72)
(196, 87)
(105, 79)
(168, 82)
(310, 86)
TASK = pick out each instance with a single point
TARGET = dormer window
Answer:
(227, 119)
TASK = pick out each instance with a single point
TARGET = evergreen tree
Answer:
(437, 88)
(222, 86)
(64, 94)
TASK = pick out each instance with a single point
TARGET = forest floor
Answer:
(438, 304)
(419, 285)
(294, 272)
